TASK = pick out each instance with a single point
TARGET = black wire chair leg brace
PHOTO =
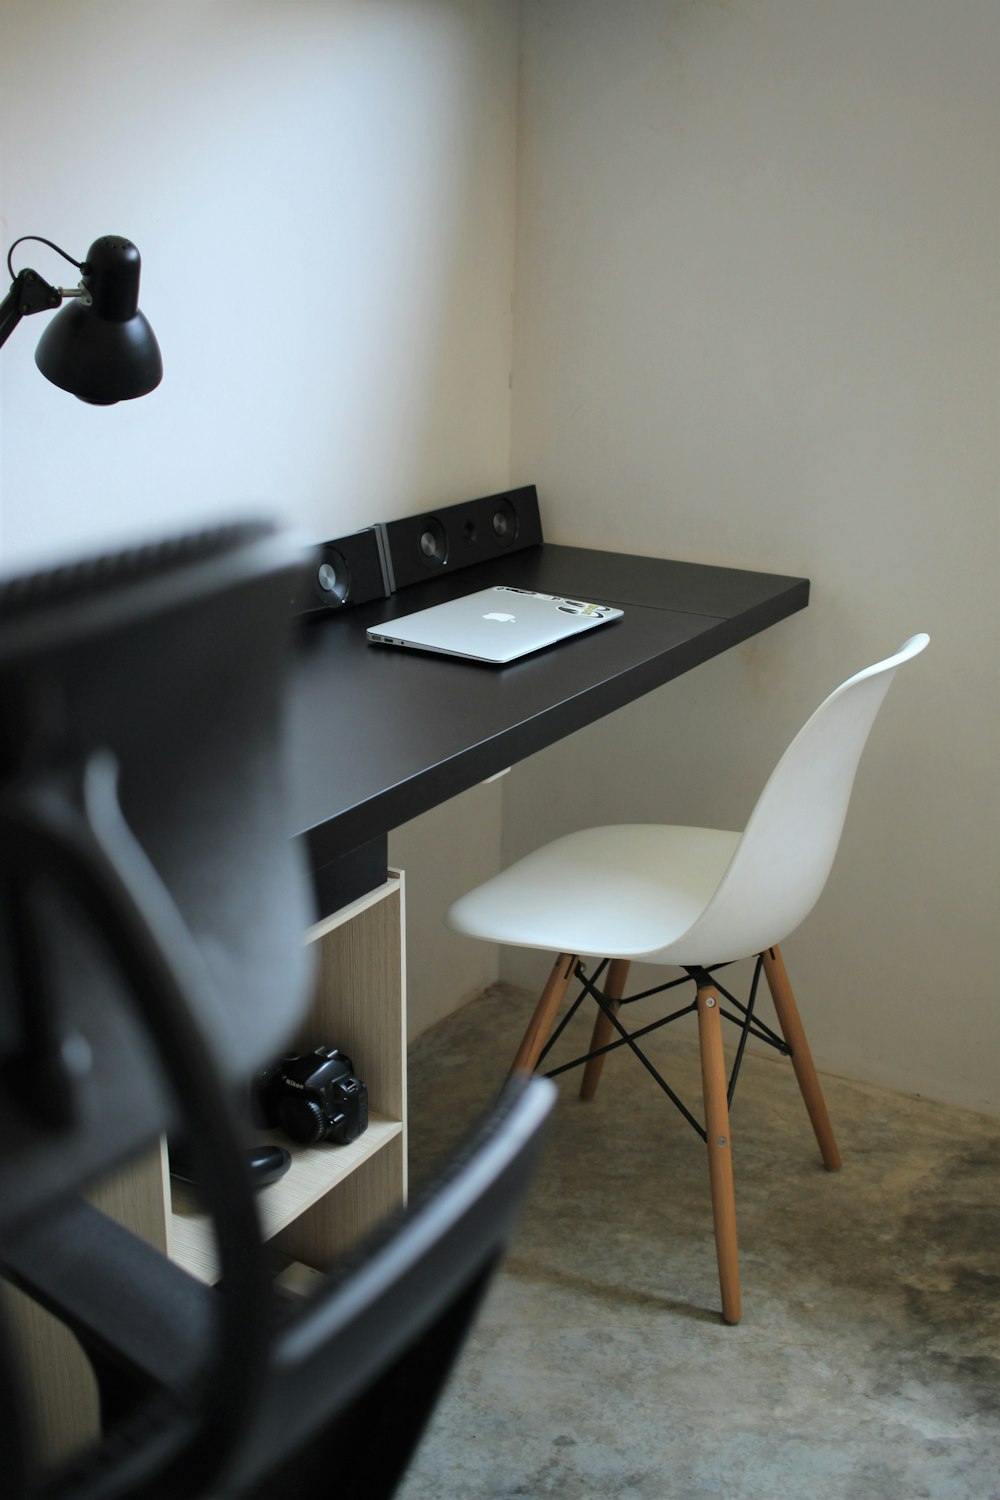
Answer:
(715, 1132)
(543, 1034)
(540, 1037)
(748, 1023)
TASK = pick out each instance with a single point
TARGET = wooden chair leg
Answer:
(791, 1029)
(720, 1157)
(546, 1010)
(603, 1030)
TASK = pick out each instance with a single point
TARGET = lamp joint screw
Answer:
(723, 1141)
(710, 1002)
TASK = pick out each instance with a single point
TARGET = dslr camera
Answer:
(315, 1098)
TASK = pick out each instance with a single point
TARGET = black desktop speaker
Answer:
(348, 570)
(456, 536)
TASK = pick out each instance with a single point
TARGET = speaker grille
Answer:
(458, 536)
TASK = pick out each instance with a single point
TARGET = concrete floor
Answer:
(868, 1358)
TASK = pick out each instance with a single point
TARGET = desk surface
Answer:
(380, 735)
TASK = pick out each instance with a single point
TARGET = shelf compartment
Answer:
(315, 1171)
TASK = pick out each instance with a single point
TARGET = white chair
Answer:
(697, 898)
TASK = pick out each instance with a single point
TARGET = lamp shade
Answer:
(103, 350)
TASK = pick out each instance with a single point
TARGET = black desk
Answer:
(380, 735)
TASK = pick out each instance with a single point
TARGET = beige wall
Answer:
(757, 319)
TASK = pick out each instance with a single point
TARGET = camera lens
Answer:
(303, 1120)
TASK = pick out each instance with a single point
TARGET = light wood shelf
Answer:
(314, 1172)
(358, 1006)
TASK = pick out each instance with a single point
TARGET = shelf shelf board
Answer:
(314, 1171)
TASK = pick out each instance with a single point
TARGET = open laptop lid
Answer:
(496, 625)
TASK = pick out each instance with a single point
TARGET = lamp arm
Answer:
(28, 294)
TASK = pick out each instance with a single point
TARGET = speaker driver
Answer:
(458, 536)
(340, 573)
(504, 521)
(334, 577)
(433, 543)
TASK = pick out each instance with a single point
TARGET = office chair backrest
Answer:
(140, 760)
(784, 857)
(152, 906)
(350, 1376)
(355, 1376)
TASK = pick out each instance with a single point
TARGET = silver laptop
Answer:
(495, 625)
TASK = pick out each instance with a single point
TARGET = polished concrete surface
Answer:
(867, 1362)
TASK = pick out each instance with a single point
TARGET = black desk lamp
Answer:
(101, 347)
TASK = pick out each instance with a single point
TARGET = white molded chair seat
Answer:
(628, 891)
(695, 898)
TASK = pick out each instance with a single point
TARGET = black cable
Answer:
(80, 265)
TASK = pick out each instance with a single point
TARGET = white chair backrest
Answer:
(784, 857)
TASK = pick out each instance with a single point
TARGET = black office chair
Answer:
(152, 906)
(350, 1377)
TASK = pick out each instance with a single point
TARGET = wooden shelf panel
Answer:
(314, 1172)
(354, 909)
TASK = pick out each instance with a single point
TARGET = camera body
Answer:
(315, 1097)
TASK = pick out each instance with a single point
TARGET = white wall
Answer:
(757, 319)
(322, 192)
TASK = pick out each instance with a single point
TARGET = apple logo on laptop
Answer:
(494, 615)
